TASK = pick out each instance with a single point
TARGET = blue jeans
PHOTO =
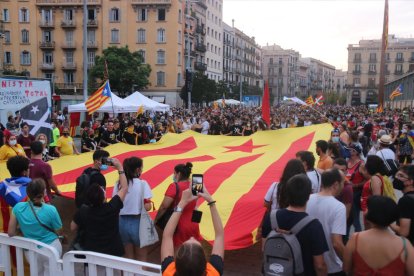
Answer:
(129, 229)
(356, 210)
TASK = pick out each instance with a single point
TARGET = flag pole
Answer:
(106, 74)
(384, 44)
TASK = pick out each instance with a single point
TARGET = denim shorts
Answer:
(129, 229)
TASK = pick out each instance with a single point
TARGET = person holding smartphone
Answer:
(186, 227)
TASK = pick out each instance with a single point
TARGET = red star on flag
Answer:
(246, 147)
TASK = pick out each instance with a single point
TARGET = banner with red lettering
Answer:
(32, 98)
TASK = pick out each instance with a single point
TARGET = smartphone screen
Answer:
(197, 184)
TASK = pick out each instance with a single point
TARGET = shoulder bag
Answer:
(147, 233)
(61, 238)
(163, 220)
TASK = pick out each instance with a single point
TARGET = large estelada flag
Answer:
(237, 171)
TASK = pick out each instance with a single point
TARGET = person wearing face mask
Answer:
(65, 144)
(45, 153)
(11, 147)
(186, 228)
(55, 138)
(247, 129)
(405, 149)
(88, 142)
(404, 181)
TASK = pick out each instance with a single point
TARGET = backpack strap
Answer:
(273, 220)
(301, 224)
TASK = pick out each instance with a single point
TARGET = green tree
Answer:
(204, 89)
(222, 89)
(125, 70)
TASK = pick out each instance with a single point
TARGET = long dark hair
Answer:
(130, 167)
(184, 170)
(292, 168)
(35, 190)
(190, 260)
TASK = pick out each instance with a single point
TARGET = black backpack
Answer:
(82, 185)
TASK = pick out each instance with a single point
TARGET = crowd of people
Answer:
(353, 174)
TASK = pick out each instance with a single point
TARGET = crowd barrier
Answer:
(97, 263)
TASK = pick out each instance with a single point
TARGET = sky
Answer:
(321, 29)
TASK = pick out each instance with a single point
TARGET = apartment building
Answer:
(340, 78)
(229, 73)
(44, 38)
(214, 54)
(364, 66)
(321, 76)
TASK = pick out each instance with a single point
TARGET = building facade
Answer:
(229, 73)
(321, 76)
(214, 36)
(44, 38)
(407, 97)
(364, 66)
(340, 81)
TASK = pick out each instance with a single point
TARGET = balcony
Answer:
(68, 88)
(69, 45)
(372, 86)
(47, 45)
(67, 2)
(92, 45)
(399, 60)
(226, 68)
(372, 60)
(47, 66)
(68, 24)
(69, 66)
(46, 24)
(151, 2)
(357, 60)
(399, 72)
(372, 72)
(201, 47)
(200, 30)
(356, 72)
(200, 66)
(387, 72)
(92, 23)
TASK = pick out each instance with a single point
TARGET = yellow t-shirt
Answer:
(6, 151)
(65, 145)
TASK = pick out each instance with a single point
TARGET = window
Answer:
(357, 68)
(91, 14)
(178, 79)
(47, 36)
(23, 15)
(7, 37)
(69, 56)
(91, 58)
(68, 15)
(114, 36)
(372, 57)
(69, 77)
(48, 57)
(160, 78)
(371, 82)
(48, 76)
(372, 68)
(399, 56)
(398, 68)
(141, 36)
(161, 14)
(161, 35)
(387, 56)
(180, 39)
(180, 15)
(114, 15)
(7, 58)
(142, 15)
(6, 15)
(160, 57)
(179, 58)
(91, 36)
(142, 54)
(357, 81)
(25, 36)
(47, 16)
(357, 57)
(412, 56)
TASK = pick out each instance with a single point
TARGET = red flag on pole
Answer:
(266, 104)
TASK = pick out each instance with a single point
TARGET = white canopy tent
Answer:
(139, 99)
(229, 102)
(119, 106)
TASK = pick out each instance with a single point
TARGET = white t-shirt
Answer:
(332, 215)
(205, 128)
(315, 179)
(133, 200)
(385, 154)
(307, 123)
(271, 196)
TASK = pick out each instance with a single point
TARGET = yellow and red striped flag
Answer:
(309, 101)
(397, 92)
(98, 98)
(238, 171)
(140, 110)
(379, 109)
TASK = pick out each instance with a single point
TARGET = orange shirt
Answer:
(325, 163)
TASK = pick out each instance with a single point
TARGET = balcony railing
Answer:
(200, 66)
(399, 72)
(357, 60)
(46, 24)
(151, 2)
(69, 45)
(68, 24)
(92, 23)
(47, 66)
(200, 30)
(67, 2)
(47, 45)
(399, 60)
(201, 47)
(372, 72)
(373, 60)
(387, 72)
(92, 44)
(356, 72)
(69, 66)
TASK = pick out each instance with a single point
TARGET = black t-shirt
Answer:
(101, 227)
(130, 138)
(237, 130)
(109, 137)
(1, 137)
(406, 210)
(311, 238)
(97, 177)
(88, 143)
(215, 260)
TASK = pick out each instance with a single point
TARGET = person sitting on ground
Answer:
(130, 136)
(37, 221)
(190, 258)
(88, 142)
(109, 135)
(404, 181)
(11, 147)
(365, 255)
(311, 238)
